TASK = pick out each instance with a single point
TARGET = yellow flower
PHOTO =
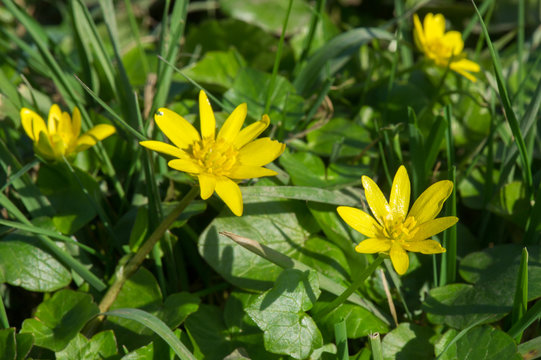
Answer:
(60, 137)
(218, 161)
(395, 231)
(444, 48)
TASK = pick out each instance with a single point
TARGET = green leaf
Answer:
(101, 346)
(353, 138)
(157, 326)
(299, 193)
(253, 43)
(530, 348)
(280, 313)
(333, 55)
(67, 197)
(304, 168)
(24, 345)
(269, 14)
(59, 319)
(217, 68)
(359, 321)
(493, 273)
(208, 333)
(481, 343)
(511, 202)
(409, 341)
(274, 222)
(8, 346)
(24, 262)
(251, 86)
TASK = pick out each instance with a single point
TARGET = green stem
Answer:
(124, 272)
(375, 344)
(355, 285)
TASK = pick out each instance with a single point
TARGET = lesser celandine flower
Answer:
(444, 48)
(218, 161)
(393, 230)
(61, 136)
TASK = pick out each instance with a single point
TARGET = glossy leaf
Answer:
(100, 346)
(280, 313)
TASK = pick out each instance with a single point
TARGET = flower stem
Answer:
(355, 285)
(124, 272)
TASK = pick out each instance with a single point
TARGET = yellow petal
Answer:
(418, 33)
(399, 258)
(76, 123)
(32, 123)
(206, 116)
(64, 129)
(185, 165)
(252, 131)
(429, 204)
(463, 67)
(424, 247)
(376, 201)
(92, 136)
(260, 152)
(163, 148)
(230, 193)
(433, 227)
(176, 128)
(230, 129)
(249, 171)
(453, 40)
(44, 148)
(207, 183)
(399, 201)
(372, 246)
(434, 26)
(55, 116)
(360, 221)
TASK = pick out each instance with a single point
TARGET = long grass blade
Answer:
(520, 303)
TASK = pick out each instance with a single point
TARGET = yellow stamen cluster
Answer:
(216, 157)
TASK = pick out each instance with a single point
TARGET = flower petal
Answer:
(434, 26)
(424, 247)
(185, 165)
(399, 201)
(252, 131)
(163, 148)
(360, 221)
(453, 40)
(399, 258)
(92, 136)
(33, 124)
(250, 171)
(433, 227)
(463, 66)
(176, 128)
(64, 129)
(372, 246)
(230, 193)
(429, 204)
(418, 34)
(206, 116)
(260, 152)
(207, 183)
(230, 129)
(376, 201)
(55, 116)
(75, 123)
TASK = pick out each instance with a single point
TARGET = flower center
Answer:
(439, 51)
(398, 230)
(215, 156)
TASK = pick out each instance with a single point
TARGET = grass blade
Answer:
(341, 337)
(520, 303)
(531, 315)
(508, 109)
(156, 325)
